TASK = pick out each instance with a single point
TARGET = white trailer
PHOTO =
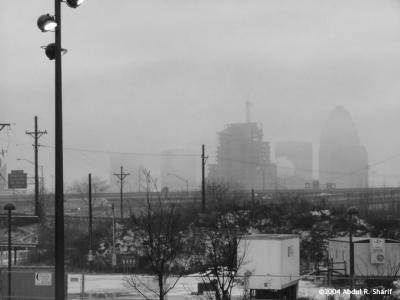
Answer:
(372, 256)
(271, 265)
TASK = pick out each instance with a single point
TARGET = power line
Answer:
(125, 153)
(177, 155)
(153, 154)
(369, 166)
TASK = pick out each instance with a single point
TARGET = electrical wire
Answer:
(149, 154)
(126, 153)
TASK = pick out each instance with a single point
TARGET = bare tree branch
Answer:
(160, 232)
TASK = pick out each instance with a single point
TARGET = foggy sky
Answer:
(143, 76)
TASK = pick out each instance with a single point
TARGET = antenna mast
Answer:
(248, 104)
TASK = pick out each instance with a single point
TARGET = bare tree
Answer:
(219, 240)
(159, 233)
(81, 186)
(222, 261)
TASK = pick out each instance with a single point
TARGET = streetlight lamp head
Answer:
(46, 23)
(9, 206)
(74, 3)
(51, 51)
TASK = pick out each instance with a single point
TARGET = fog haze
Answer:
(144, 76)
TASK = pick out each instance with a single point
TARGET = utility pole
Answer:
(2, 125)
(114, 257)
(36, 135)
(203, 180)
(90, 257)
(59, 283)
(352, 211)
(139, 177)
(121, 177)
(9, 207)
(54, 51)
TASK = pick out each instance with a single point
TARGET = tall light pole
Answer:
(203, 179)
(352, 211)
(54, 51)
(9, 207)
(183, 179)
(90, 256)
(60, 289)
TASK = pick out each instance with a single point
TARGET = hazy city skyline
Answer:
(343, 160)
(145, 76)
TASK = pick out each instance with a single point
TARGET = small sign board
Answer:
(74, 279)
(377, 247)
(43, 278)
(17, 179)
(90, 256)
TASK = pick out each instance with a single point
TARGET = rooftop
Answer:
(360, 239)
(270, 237)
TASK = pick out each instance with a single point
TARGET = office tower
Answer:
(343, 161)
(243, 158)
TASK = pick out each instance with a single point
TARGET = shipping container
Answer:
(28, 283)
(372, 256)
(270, 264)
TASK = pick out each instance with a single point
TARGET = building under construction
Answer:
(243, 158)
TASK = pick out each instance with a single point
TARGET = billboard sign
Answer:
(17, 179)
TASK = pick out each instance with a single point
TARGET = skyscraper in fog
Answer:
(343, 161)
(243, 158)
(299, 156)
